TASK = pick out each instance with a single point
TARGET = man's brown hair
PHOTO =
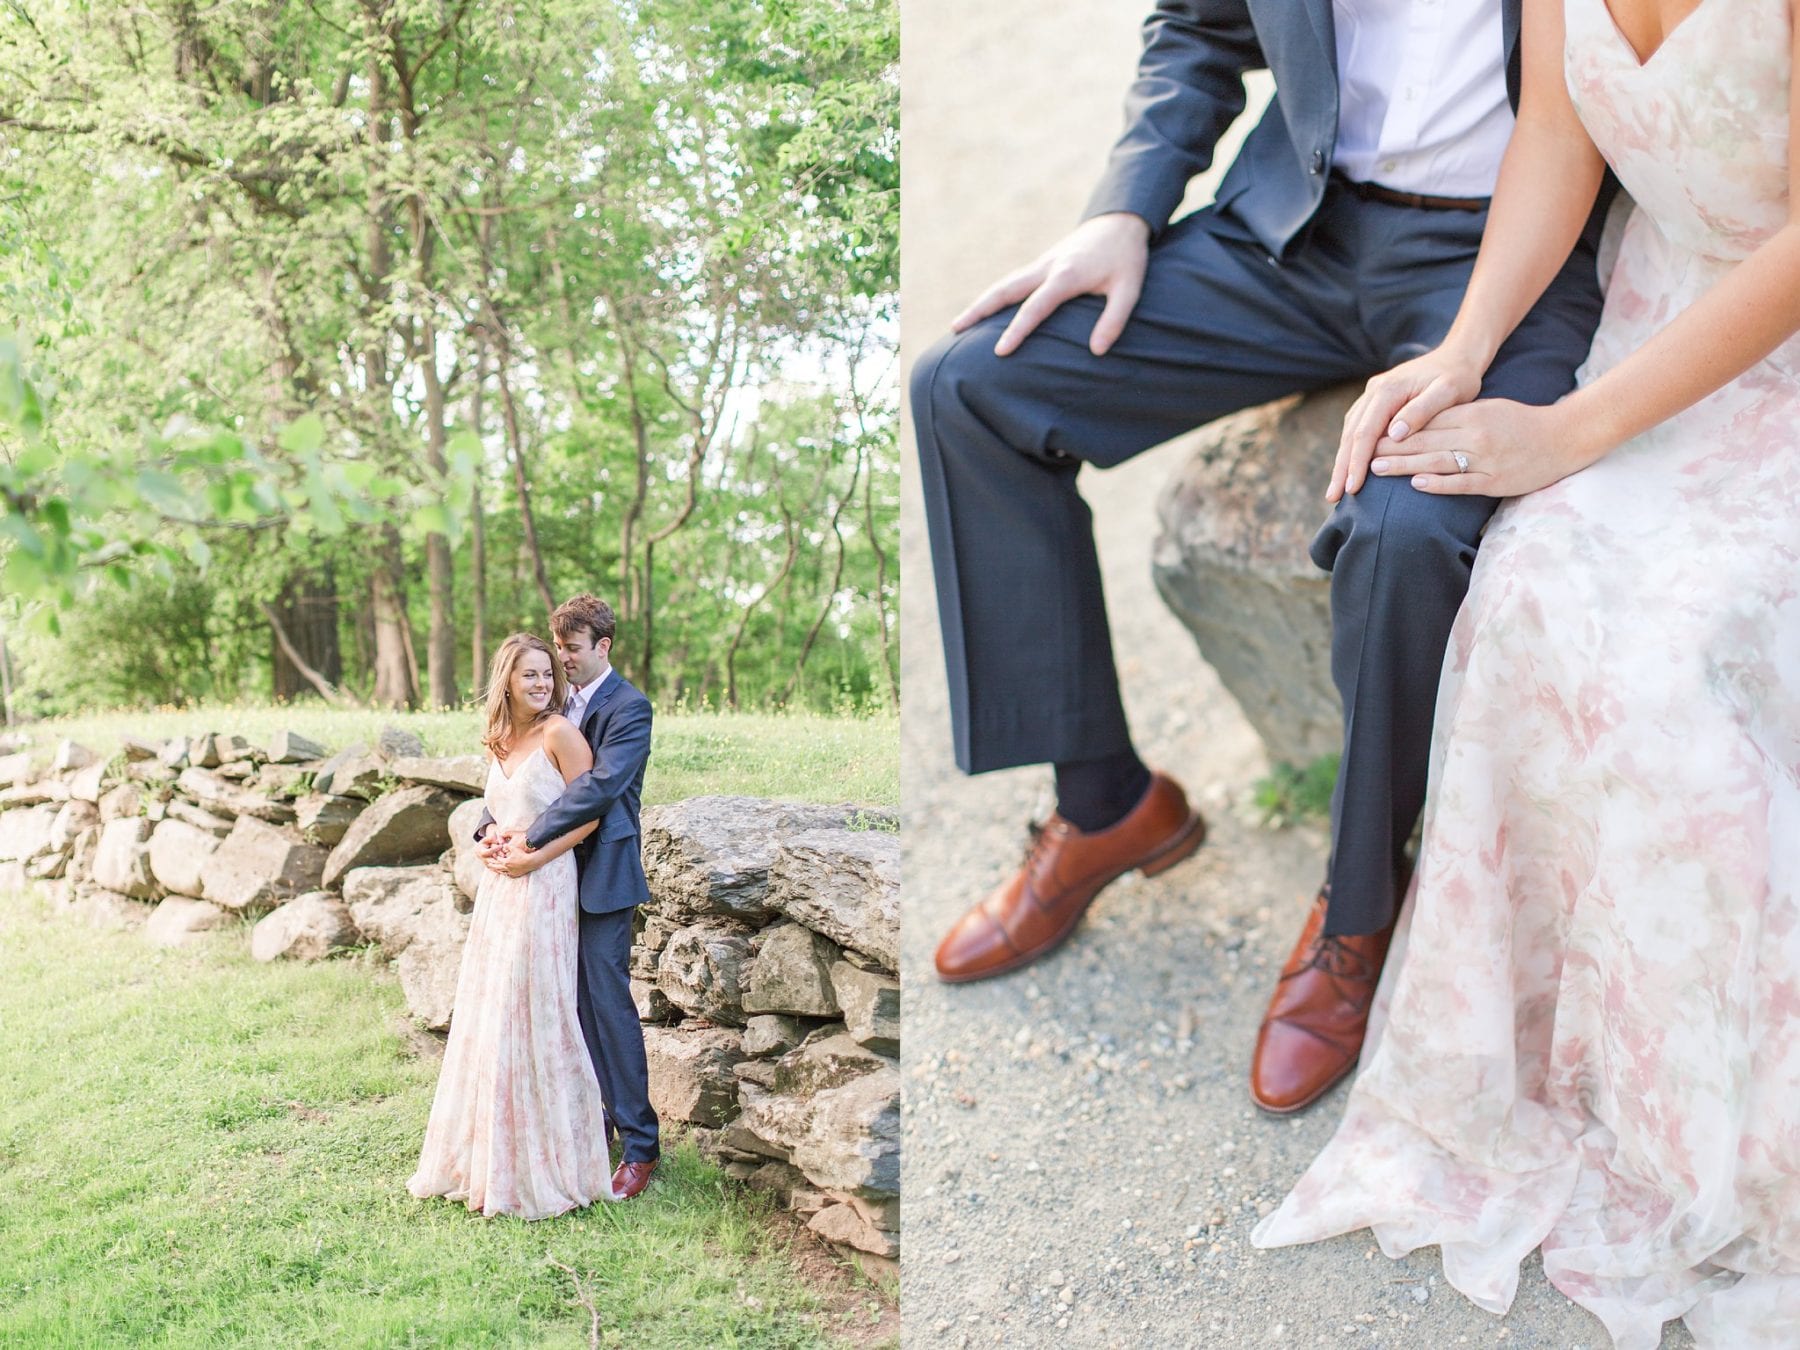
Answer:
(580, 612)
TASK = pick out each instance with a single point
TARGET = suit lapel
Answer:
(598, 701)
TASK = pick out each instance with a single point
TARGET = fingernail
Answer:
(1418, 480)
(1380, 466)
(1398, 430)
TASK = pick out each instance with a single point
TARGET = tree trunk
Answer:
(509, 414)
(396, 684)
(306, 613)
(478, 644)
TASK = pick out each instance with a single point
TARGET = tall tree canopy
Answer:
(339, 338)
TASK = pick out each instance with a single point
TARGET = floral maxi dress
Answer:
(1588, 1035)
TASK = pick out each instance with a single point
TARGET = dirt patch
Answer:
(859, 1300)
(415, 1041)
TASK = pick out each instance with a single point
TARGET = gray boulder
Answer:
(259, 866)
(137, 751)
(769, 1034)
(428, 972)
(1232, 563)
(466, 864)
(309, 927)
(122, 863)
(651, 1003)
(351, 773)
(180, 856)
(99, 908)
(690, 1073)
(392, 743)
(290, 747)
(72, 817)
(464, 774)
(846, 1139)
(179, 921)
(844, 1224)
(325, 819)
(844, 884)
(188, 813)
(86, 784)
(15, 769)
(397, 906)
(792, 974)
(871, 1004)
(701, 970)
(121, 801)
(71, 756)
(222, 797)
(712, 855)
(408, 826)
(174, 753)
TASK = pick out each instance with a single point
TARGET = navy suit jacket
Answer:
(610, 861)
(1190, 87)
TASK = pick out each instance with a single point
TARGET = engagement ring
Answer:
(1462, 461)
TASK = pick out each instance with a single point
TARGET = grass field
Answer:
(797, 755)
(196, 1150)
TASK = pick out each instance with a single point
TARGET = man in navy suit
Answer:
(1339, 245)
(615, 718)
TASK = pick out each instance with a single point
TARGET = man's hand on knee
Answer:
(1104, 256)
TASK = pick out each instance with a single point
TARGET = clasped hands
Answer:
(506, 852)
(1423, 419)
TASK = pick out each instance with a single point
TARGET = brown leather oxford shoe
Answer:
(1041, 903)
(631, 1178)
(1313, 1031)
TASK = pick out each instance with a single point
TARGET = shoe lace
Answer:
(1334, 956)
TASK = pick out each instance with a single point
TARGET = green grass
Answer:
(1289, 794)
(196, 1150)
(796, 755)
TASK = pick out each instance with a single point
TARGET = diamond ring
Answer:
(1462, 461)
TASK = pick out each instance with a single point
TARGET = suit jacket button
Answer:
(1318, 161)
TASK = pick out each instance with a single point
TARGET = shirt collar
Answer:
(585, 694)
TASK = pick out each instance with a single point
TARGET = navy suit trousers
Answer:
(1221, 325)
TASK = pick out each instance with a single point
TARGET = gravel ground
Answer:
(1083, 1166)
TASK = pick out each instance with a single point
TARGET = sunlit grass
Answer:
(196, 1150)
(804, 756)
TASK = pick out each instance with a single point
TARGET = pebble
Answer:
(1066, 1297)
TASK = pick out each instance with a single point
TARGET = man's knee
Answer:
(1401, 536)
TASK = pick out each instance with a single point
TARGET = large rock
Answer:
(428, 973)
(408, 826)
(34, 794)
(72, 818)
(690, 1073)
(217, 826)
(712, 855)
(86, 785)
(397, 906)
(393, 742)
(325, 819)
(136, 750)
(701, 970)
(221, 797)
(1232, 563)
(70, 756)
(123, 861)
(465, 774)
(123, 800)
(825, 1061)
(174, 753)
(307, 928)
(351, 772)
(108, 909)
(842, 1223)
(180, 856)
(259, 866)
(844, 884)
(846, 1139)
(768, 1034)
(792, 974)
(15, 769)
(466, 865)
(290, 747)
(178, 921)
(871, 1004)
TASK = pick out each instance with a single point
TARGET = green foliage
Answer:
(1290, 794)
(291, 292)
(199, 1150)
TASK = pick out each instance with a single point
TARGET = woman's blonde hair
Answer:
(499, 690)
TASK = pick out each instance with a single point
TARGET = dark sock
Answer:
(1092, 794)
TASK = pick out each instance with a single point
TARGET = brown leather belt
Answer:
(1374, 192)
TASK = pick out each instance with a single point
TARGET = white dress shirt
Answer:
(1422, 103)
(576, 708)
